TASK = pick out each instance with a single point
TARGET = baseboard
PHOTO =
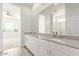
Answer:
(29, 50)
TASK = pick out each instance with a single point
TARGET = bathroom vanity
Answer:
(46, 45)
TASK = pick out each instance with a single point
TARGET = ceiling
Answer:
(30, 5)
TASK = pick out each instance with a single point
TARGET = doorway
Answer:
(11, 26)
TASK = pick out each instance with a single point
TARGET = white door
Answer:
(11, 26)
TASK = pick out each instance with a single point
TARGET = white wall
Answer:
(26, 21)
(41, 7)
(0, 26)
(72, 18)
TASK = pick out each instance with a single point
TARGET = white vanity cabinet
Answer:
(55, 51)
(37, 46)
(34, 45)
(64, 50)
(43, 47)
(26, 40)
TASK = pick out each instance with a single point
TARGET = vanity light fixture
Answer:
(8, 13)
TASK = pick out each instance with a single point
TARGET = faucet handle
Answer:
(56, 33)
(53, 34)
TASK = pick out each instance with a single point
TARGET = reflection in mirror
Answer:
(41, 24)
(64, 19)
(58, 25)
(45, 24)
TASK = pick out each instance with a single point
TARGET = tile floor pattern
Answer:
(19, 51)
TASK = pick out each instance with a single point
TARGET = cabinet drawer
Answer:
(64, 49)
(54, 52)
(43, 42)
(43, 50)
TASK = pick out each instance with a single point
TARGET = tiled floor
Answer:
(19, 51)
(11, 43)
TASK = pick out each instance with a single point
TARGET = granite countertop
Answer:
(67, 42)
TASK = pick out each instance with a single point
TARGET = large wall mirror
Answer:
(61, 19)
(44, 23)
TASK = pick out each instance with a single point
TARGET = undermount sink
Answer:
(58, 40)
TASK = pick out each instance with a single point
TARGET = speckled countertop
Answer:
(67, 42)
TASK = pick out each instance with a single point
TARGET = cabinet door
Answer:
(26, 40)
(64, 49)
(43, 48)
(34, 45)
(54, 52)
(29, 44)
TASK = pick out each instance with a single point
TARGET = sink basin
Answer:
(58, 40)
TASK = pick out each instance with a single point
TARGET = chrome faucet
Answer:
(53, 35)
